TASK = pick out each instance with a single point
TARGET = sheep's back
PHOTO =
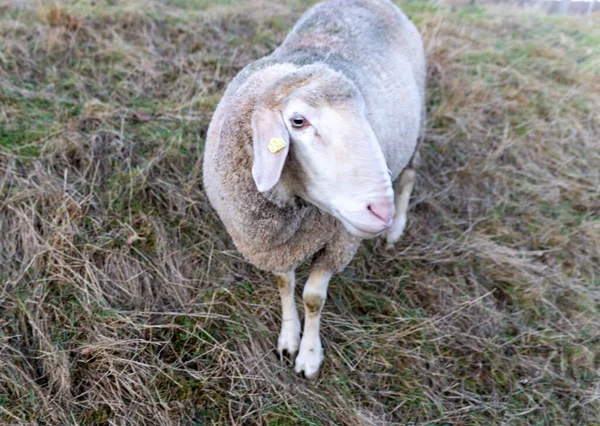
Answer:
(377, 47)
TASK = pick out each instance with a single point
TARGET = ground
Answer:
(124, 302)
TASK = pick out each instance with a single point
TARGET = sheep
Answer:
(312, 149)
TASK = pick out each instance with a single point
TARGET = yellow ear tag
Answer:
(276, 145)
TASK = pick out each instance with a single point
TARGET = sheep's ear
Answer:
(271, 144)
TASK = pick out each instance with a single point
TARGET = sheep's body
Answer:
(356, 68)
(376, 47)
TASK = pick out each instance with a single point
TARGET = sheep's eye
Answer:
(298, 122)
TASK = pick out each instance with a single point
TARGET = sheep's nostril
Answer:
(383, 211)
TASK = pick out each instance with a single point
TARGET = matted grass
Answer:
(123, 301)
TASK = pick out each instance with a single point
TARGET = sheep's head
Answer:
(339, 166)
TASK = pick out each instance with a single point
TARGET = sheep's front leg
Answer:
(289, 338)
(310, 356)
(403, 188)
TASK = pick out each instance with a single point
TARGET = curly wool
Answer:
(351, 38)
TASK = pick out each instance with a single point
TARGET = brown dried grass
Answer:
(123, 300)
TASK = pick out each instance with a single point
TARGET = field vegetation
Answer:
(124, 302)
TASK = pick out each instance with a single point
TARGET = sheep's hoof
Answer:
(288, 343)
(309, 362)
(284, 354)
(313, 378)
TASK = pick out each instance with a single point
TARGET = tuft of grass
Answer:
(123, 300)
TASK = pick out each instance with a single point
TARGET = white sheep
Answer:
(304, 147)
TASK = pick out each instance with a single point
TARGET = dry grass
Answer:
(123, 302)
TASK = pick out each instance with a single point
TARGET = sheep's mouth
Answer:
(351, 226)
(358, 231)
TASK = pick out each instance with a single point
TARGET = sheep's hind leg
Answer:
(404, 187)
(310, 356)
(289, 337)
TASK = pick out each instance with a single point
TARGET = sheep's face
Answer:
(341, 164)
(338, 163)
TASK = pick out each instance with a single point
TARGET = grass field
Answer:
(123, 301)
